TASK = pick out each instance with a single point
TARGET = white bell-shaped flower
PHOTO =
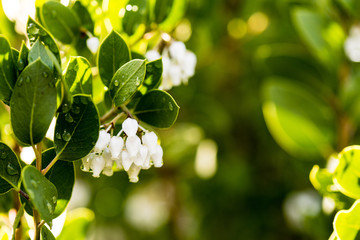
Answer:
(97, 165)
(152, 55)
(175, 74)
(130, 127)
(126, 160)
(147, 163)
(133, 173)
(177, 50)
(108, 171)
(93, 44)
(86, 162)
(102, 142)
(150, 140)
(188, 65)
(141, 156)
(157, 157)
(115, 146)
(133, 144)
(109, 162)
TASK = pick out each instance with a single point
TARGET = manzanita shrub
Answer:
(51, 78)
(311, 104)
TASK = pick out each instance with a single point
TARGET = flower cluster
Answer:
(129, 152)
(178, 64)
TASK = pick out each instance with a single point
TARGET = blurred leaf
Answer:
(299, 121)
(78, 76)
(16, 223)
(134, 15)
(321, 179)
(347, 173)
(10, 169)
(113, 53)
(62, 22)
(33, 104)
(77, 131)
(46, 234)
(351, 6)
(36, 31)
(37, 51)
(84, 16)
(8, 71)
(126, 81)
(347, 222)
(42, 192)
(157, 108)
(77, 224)
(176, 13)
(162, 9)
(135, 55)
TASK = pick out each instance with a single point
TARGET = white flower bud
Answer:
(126, 160)
(115, 146)
(93, 44)
(157, 157)
(97, 165)
(108, 171)
(141, 156)
(133, 173)
(188, 65)
(102, 142)
(133, 144)
(177, 50)
(130, 127)
(150, 140)
(152, 55)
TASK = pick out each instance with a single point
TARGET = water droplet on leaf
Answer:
(11, 170)
(116, 83)
(27, 79)
(20, 64)
(69, 118)
(34, 183)
(45, 74)
(171, 106)
(65, 107)
(84, 100)
(49, 206)
(20, 82)
(54, 199)
(76, 110)
(58, 135)
(3, 155)
(66, 136)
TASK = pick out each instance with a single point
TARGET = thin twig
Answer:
(126, 110)
(108, 115)
(37, 150)
(24, 194)
(44, 171)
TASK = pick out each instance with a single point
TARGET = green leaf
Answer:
(78, 76)
(62, 22)
(33, 104)
(321, 179)
(62, 175)
(77, 131)
(136, 55)
(42, 192)
(153, 75)
(157, 108)
(324, 38)
(7, 70)
(347, 173)
(134, 15)
(301, 122)
(46, 234)
(10, 169)
(351, 6)
(22, 60)
(16, 223)
(126, 81)
(162, 9)
(347, 222)
(176, 14)
(84, 16)
(36, 31)
(37, 51)
(77, 224)
(113, 53)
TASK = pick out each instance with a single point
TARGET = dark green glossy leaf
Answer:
(135, 55)
(36, 31)
(7, 70)
(113, 53)
(134, 15)
(10, 169)
(84, 16)
(153, 75)
(22, 60)
(33, 104)
(61, 21)
(16, 223)
(46, 234)
(162, 9)
(78, 76)
(38, 50)
(76, 131)
(42, 192)
(126, 81)
(157, 108)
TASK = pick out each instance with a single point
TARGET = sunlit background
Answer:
(224, 177)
